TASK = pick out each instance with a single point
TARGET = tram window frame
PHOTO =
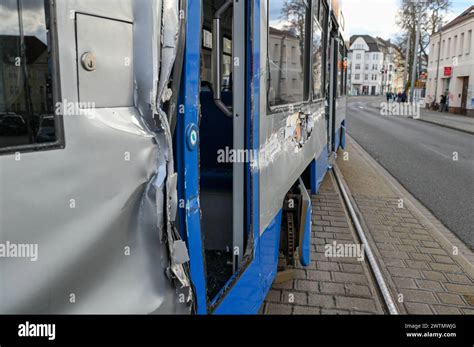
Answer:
(273, 109)
(53, 52)
(322, 19)
(346, 53)
(340, 67)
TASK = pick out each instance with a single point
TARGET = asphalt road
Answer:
(420, 156)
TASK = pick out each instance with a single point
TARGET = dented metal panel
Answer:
(100, 209)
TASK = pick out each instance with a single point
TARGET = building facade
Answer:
(374, 66)
(451, 64)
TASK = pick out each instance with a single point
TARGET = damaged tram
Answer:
(158, 154)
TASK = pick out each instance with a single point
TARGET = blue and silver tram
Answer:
(156, 155)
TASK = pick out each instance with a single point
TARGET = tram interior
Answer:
(216, 134)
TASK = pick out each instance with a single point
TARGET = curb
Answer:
(446, 126)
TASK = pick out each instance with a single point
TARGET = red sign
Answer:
(448, 71)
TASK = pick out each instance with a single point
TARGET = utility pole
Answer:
(437, 63)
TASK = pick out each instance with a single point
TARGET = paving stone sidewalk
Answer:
(428, 269)
(448, 120)
(330, 285)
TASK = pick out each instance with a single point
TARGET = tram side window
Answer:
(26, 100)
(323, 21)
(318, 68)
(288, 23)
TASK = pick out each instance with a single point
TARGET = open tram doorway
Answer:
(222, 134)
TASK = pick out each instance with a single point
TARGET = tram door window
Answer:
(221, 180)
(318, 57)
(26, 94)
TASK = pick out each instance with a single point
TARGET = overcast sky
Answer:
(378, 17)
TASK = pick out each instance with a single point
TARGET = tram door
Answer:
(222, 140)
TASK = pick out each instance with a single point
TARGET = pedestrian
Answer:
(442, 103)
(404, 97)
(399, 97)
(389, 96)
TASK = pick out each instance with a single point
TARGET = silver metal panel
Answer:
(281, 161)
(111, 42)
(95, 215)
(239, 128)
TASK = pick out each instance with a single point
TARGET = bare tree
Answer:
(432, 16)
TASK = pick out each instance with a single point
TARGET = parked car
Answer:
(12, 124)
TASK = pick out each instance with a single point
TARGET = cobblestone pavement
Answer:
(329, 285)
(428, 270)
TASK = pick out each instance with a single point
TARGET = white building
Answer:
(374, 66)
(451, 64)
(365, 65)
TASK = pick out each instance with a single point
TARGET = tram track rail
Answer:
(386, 297)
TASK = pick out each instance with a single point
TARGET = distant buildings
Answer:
(451, 64)
(375, 66)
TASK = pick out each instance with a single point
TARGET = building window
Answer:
(357, 67)
(366, 77)
(366, 66)
(375, 56)
(289, 27)
(469, 41)
(358, 56)
(357, 76)
(455, 47)
(207, 39)
(448, 49)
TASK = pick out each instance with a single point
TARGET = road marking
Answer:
(435, 151)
